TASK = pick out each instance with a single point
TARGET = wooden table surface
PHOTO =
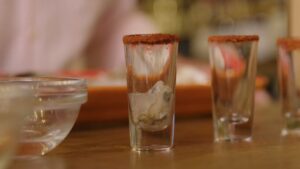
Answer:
(107, 146)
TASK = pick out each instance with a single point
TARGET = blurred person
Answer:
(45, 36)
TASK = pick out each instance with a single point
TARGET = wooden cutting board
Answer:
(110, 104)
(107, 104)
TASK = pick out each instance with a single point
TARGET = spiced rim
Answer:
(233, 38)
(289, 43)
(150, 38)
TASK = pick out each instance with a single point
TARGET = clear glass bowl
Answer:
(56, 107)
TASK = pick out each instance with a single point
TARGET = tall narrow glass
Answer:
(16, 100)
(151, 78)
(289, 83)
(233, 68)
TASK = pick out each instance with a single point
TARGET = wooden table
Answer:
(106, 146)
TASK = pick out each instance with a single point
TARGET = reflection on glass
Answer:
(144, 159)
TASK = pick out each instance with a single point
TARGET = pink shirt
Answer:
(42, 35)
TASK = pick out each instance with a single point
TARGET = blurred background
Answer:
(74, 36)
(195, 20)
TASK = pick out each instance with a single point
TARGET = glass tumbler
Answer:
(289, 83)
(233, 71)
(151, 78)
(16, 100)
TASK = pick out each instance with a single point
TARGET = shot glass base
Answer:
(152, 148)
(233, 139)
(142, 139)
(290, 132)
(233, 129)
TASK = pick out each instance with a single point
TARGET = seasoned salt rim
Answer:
(150, 39)
(233, 38)
(289, 43)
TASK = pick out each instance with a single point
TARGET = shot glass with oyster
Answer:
(151, 77)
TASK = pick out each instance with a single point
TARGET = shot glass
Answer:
(151, 78)
(15, 101)
(289, 83)
(233, 71)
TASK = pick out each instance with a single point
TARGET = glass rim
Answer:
(233, 38)
(45, 81)
(150, 38)
(44, 86)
